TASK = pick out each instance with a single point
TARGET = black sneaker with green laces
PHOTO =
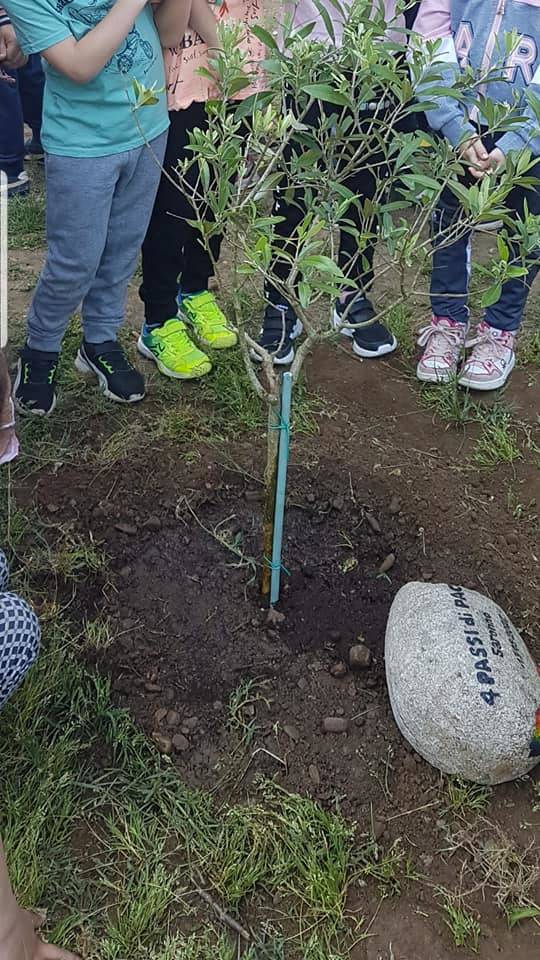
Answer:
(118, 379)
(33, 391)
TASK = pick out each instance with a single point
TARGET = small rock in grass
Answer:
(335, 724)
(160, 714)
(173, 718)
(180, 742)
(292, 732)
(128, 528)
(338, 670)
(359, 657)
(314, 774)
(164, 744)
(387, 563)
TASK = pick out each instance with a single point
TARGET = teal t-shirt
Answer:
(98, 118)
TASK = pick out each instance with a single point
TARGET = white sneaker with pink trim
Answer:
(444, 340)
(491, 360)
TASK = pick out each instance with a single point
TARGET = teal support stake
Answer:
(281, 485)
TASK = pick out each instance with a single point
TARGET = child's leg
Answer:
(507, 313)
(19, 642)
(79, 199)
(169, 235)
(12, 136)
(443, 338)
(492, 357)
(130, 209)
(451, 261)
(357, 265)
(80, 195)
(31, 85)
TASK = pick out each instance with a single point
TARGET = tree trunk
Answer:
(270, 477)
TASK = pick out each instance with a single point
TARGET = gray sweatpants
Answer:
(98, 209)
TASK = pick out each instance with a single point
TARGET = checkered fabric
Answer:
(19, 637)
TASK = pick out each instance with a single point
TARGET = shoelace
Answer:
(490, 347)
(442, 340)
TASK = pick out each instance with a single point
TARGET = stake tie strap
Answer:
(281, 425)
(276, 566)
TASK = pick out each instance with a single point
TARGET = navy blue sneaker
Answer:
(370, 341)
(33, 150)
(18, 186)
(280, 329)
(34, 391)
(118, 379)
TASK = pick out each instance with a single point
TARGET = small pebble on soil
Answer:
(359, 657)
(335, 724)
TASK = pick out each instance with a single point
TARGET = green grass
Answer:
(400, 322)
(464, 926)
(26, 217)
(498, 442)
(113, 851)
(529, 348)
(464, 798)
(449, 402)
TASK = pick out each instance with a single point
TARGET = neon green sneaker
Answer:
(173, 352)
(201, 310)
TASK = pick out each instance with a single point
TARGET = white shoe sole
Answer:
(25, 411)
(289, 357)
(494, 384)
(433, 376)
(174, 375)
(86, 366)
(360, 351)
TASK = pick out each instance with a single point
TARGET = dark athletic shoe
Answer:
(118, 379)
(372, 341)
(18, 186)
(33, 391)
(280, 328)
(33, 150)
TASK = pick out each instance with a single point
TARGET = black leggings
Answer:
(173, 251)
(363, 182)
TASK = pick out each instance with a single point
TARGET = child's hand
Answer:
(475, 154)
(21, 942)
(11, 55)
(497, 160)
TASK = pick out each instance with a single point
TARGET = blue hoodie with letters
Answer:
(474, 33)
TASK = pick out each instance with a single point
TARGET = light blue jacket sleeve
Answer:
(448, 116)
(526, 135)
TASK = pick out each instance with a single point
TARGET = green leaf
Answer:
(502, 247)
(517, 914)
(265, 37)
(304, 294)
(492, 295)
(326, 93)
(327, 20)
